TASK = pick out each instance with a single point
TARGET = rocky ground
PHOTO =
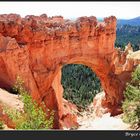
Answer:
(86, 119)
(10, 100)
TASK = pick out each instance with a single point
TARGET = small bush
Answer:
(18, 87)
(33, 116)
(1, 125)
(131, 104)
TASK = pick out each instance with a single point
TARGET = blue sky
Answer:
(125, 10)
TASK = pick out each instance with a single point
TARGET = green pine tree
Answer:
(131, 104)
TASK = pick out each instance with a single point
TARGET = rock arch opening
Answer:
(80, 84)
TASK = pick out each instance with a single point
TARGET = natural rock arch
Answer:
(36, 48)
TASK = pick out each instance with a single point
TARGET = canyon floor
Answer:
(86, 119)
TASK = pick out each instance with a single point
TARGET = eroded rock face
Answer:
(37, 47)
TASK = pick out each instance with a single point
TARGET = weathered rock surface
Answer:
(37, 47)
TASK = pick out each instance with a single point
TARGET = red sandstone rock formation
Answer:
(37, 47)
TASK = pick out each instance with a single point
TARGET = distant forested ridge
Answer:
(128, 31)
(132, 22)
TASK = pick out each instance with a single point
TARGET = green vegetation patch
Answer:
(131, 104)
(32, 117)
(1, 125)
(80, 84)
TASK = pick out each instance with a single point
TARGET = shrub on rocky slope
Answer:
(131, 104)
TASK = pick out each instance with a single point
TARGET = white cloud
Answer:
(73, 9)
